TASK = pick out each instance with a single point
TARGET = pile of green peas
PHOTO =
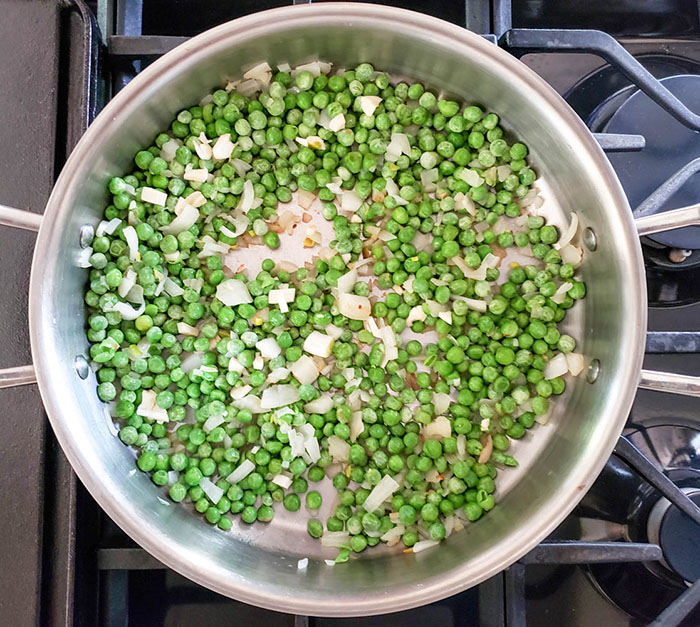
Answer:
(491, 361)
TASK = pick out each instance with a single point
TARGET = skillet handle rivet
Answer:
(81, 366)
(593, 371)
(590, 239)
(87, 233)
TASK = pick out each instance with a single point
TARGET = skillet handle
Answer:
(669, 220)
(13, 377)
(20, 219)
(21, 375)
(682, 384)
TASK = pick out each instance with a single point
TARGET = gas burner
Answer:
(669, 284)
(608, 102)
(635, 512)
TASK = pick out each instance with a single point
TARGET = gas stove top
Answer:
(628, 555)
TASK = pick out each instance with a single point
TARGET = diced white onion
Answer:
(240, 392)
(335, 539)
(350, 201)
(380, 493)
(233, 292)
(241, 472)
(154, 196)
(200, 175)
(560, 295)
(277, 375)
(321, 405)
(473, 303)
(203, 150)
(347, 282)
(398, 146)
(168, 149)
(303, 563)
(223, 147)
(441, 403)
(354, 307)
(304, 370)
(212, 422)
(247, 197)
(283, 481)
(369, 104)
(313, 449)
(357, 426)
(571, 254)
(470, 177)
(126, 311)
(305, 199)
(337, 123)
(279, 396)
(261, 72)
(269, 348)
(317, 343)
(212, 491)
(576, 363)
(339, 449)
(188, 216)
(107, 228)
(556, 367)
(132, 241)
(439, 428)
(393, 190)
(423, 545)
(171, 288)
(570, 232)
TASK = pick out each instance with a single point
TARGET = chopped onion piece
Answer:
(416, 315)
(560, 295)
(305, 199)
(304, 370)
(485, 454)
(441, 403)
(439, 428)
(107, 228)
(423, 545)
(556, 367)
(380, 493)
(313, 449)
(247, 197)
(398, 146)
(212, 422)
(240, 166)
(240, 392)
(347, 282)
(354, 307)
(171, 288)
(213, 491)
(261, 72)
(282, 297)
(241, 472)
(168, 149)
(277, 375)
(233, 292)
(393, 190)
(269, 348)
(132, 241)
(335, 539)
(188, 216)
(203, 150)
(154, 196)
(576, 363)
(339, 449)
(128, 281)
(350, 201)
(279, 396)
(321, 405)
(223, 147)
(473, 303)
(571, 254)
(357, 426)
(470, 177)
(337, 123)
(126, 311)
(200, 175)
(317, 343)
(369, 104)
(283, 481)
(394, 533)
(570, 232)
